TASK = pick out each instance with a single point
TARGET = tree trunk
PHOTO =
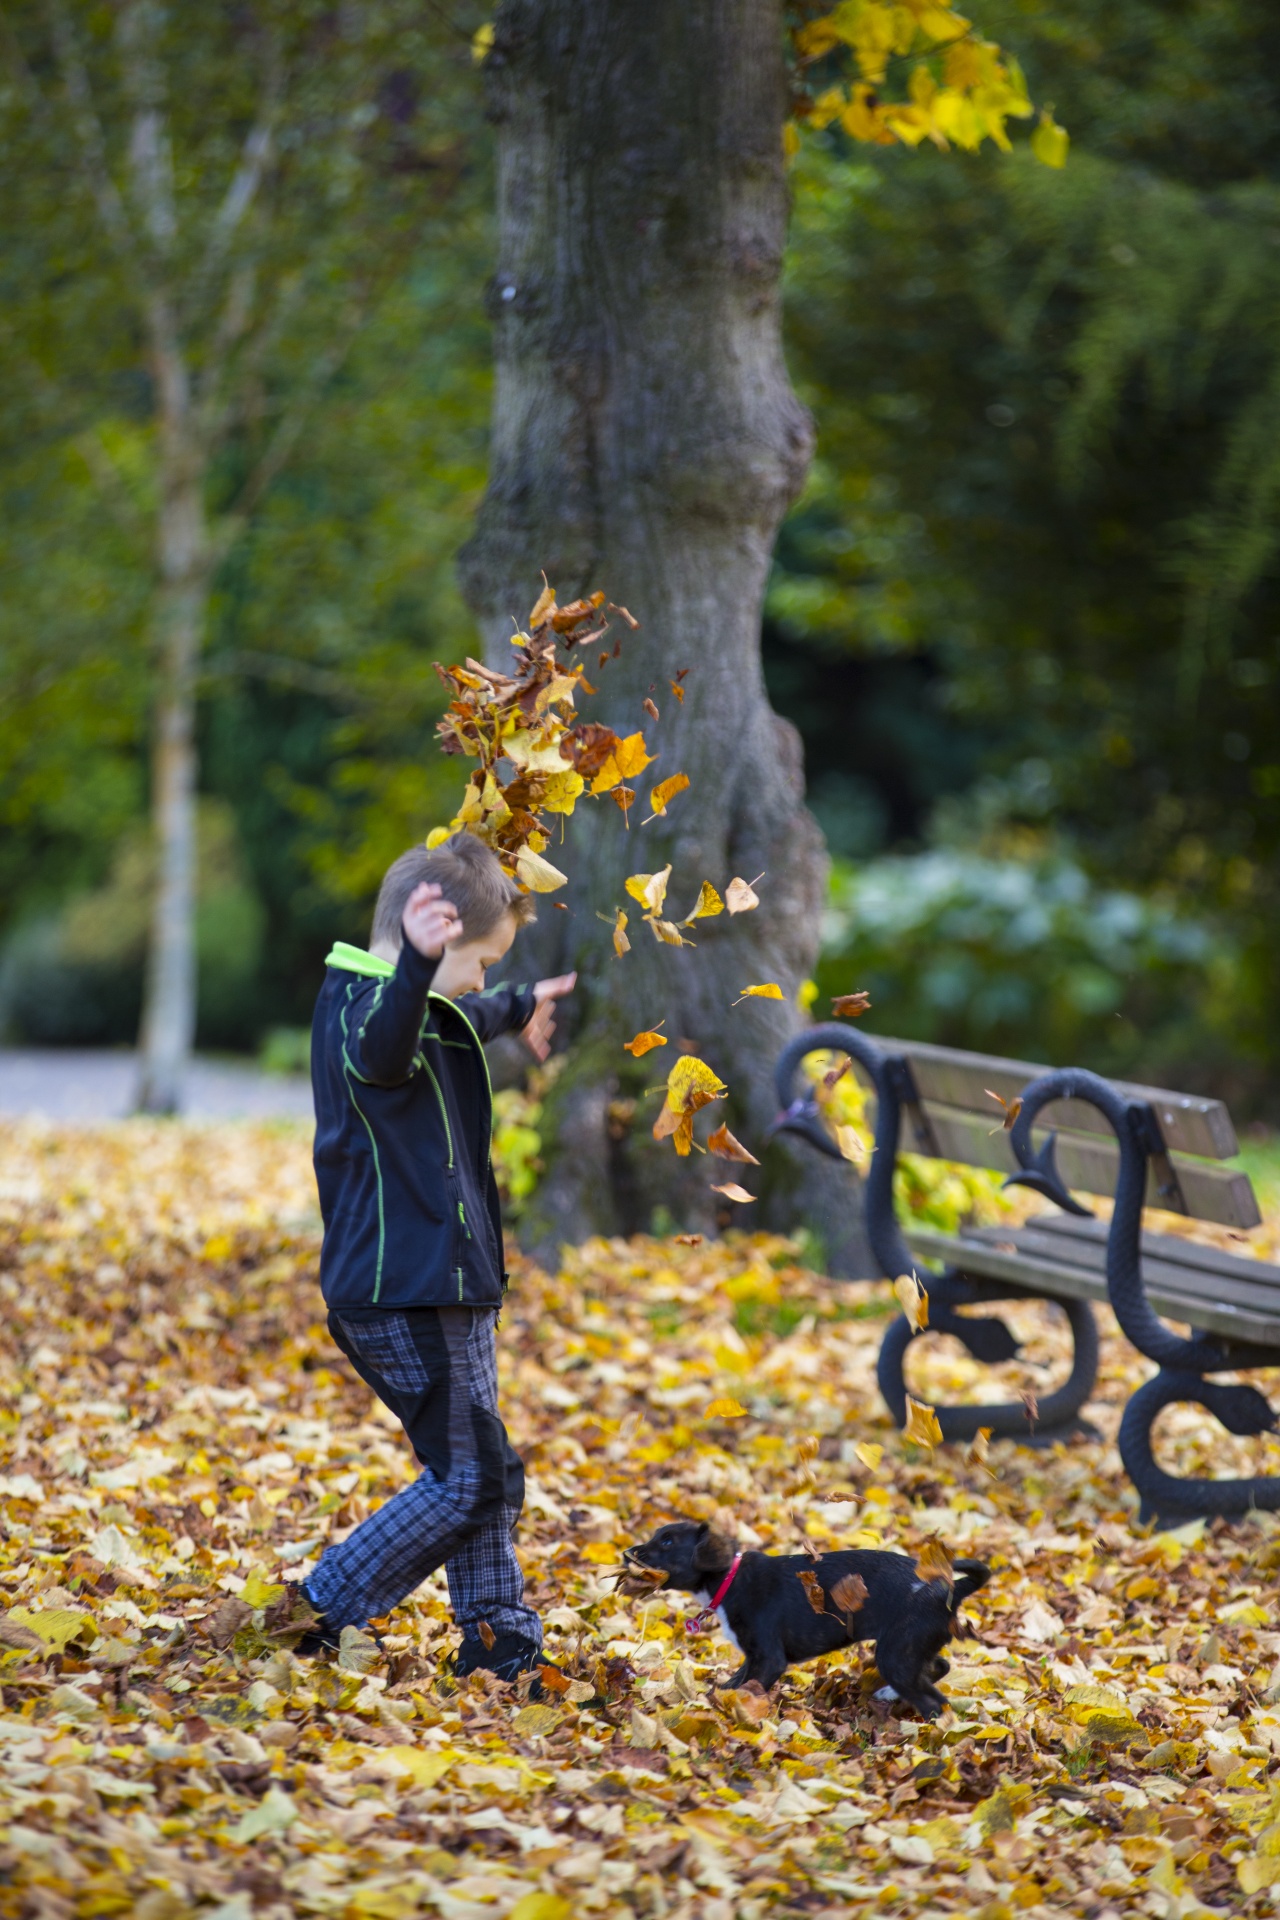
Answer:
(184, 566)
(646, 440)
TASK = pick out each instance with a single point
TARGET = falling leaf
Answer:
(848, 1594)
(621, 944)
(933, 1562)
(642, 1043)
(725, 1408)
(834, 1075)
(913, 1300)
(622, 614)
(666, 791)
(1031, 1404)
(1012, 1108)
(691, 1084)
(851, 1006)
(677, 689)
(546, 600)
(487, 1634)
(650, 889)
(922, 1428)
(851, 1144)
(709, 903)
(536, 873)
(769, 991)
(688, 1239)
(979, 1448)
(813, 1589)
(740, 896)
(870, 1454)
(650, 709)
(666, 932)
(731, 1191)
(723, 1143)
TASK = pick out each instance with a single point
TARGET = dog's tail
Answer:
(970, 1578)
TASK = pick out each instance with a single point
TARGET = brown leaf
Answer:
(834, 1075)
(688, 1239)
(813, 1589)
(622, 613)
(14, 1634)
(913, 1300)
(851, 1006)
(732, 1191)
(623, 798)
(650, 709)
(677, 690)
(722, 1143)
(1012, 1108)
(848, 1594)
(226, 1620)
(979, 1448)
(1031, 1404)
(487, 1634)
(553, 1681)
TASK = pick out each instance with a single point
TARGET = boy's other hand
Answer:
(537, 1034)
(430, 923)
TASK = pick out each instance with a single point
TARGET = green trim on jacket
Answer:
(356, 960)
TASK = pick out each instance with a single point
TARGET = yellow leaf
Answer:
(540, 1906)
(481, 42)
(709, 903)
(725, 1408)
(422, 1768)
(650, 889)
(437, 837)
(922, 1428)
(1050, 142)
(691, 1084)
(562, 790)
(642, 1043)
(869, 1454)
(258, 1591)
(537, 1719)
(769, 991)
(851, 1144)
(57, 1626)
(667, 932)
(979, 1447)
(723, 1143)
(913, 1300)
(732, 1191)
(1255, 1872)
(667, 790)
(599, 1553)
(1091, 1699)
(536, 873)
(631, 756)
(740, 897)
(608, 777)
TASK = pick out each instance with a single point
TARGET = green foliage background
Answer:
(1027, 613)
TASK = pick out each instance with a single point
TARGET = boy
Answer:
(412, 1265)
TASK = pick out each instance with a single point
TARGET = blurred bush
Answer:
(1029, 958)
(286, 1050)
(75, 978)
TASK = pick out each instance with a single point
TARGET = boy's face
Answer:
(462, 966)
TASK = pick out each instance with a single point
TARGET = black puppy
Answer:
(763, 1604)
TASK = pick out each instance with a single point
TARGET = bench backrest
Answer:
(954, 1118)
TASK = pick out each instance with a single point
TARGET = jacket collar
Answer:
(356, 960)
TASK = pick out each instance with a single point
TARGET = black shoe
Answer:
(508, 1657)
(321, 1638)
(294, 1614)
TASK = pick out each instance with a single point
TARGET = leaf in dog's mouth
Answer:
(630, 1578)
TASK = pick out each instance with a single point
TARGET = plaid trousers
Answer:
(436, 1368)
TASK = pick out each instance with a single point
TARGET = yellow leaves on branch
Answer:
(691, 1085)
(960, 90)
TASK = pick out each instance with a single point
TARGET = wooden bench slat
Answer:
(1191, 1123)
(1210, 1263)
(1169, 1286)
(1089, 1164)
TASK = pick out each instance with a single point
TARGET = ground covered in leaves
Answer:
(178, 1437)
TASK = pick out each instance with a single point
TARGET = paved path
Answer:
(81, 1084)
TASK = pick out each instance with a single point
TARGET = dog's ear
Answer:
(712, 1549)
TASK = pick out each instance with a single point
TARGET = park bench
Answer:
(1074, 1132)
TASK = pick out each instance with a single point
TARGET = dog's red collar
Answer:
(702, 1620)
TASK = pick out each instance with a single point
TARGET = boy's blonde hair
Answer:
(467, 872)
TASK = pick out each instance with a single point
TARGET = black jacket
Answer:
(404, 1112)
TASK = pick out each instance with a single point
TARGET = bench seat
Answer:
(1186, 1280)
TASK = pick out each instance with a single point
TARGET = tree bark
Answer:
(184, 563)
(646, 440)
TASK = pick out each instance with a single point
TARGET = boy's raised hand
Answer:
(430, 923)
(537, 1034)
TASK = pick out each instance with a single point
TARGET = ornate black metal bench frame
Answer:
(1239, 1321)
